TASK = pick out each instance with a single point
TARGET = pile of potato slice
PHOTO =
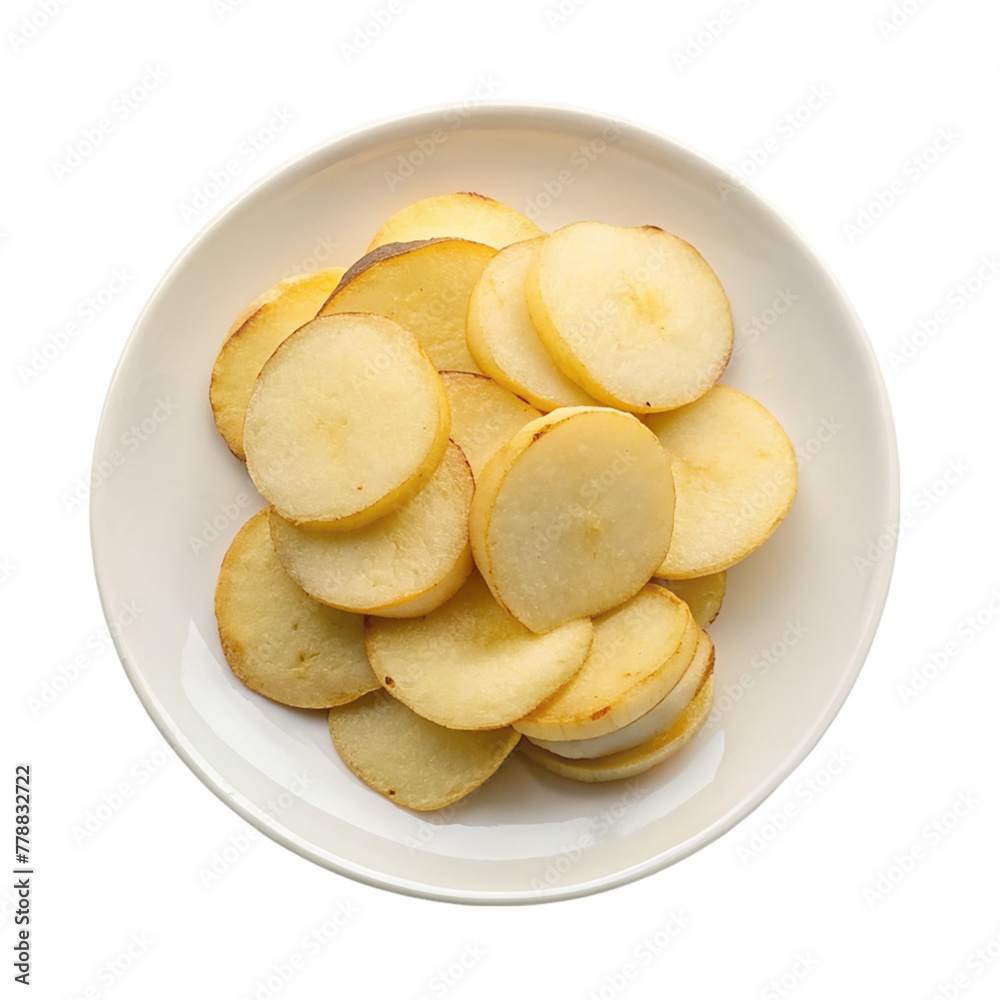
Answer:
(503, 489)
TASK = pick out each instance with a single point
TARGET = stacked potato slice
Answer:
(503, 488)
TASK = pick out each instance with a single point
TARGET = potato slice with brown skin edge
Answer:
(636, 760)
(633, 314)
(503, 340)
(411, 761)
(702, 594)
(569, 516)
(420, 550)
(470, 665)
(278, 640)
(735, 476)
(338, 391)
(660, 717)
(255, 336)
(640, 651)
(425, 287)
(484, 415)
(464, 214)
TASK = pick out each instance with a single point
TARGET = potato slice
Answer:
(572, 516)
(640, 651)
(255, 336)
(279, 641)
(465, 214)
(347, 421)
(484, 415)
(702, 594)
(387, 566)
(735, 476)
(425, 287)
(410, 760)
(503, 340)
(629, 763)
(660, 717)
(634, 315)
(470, 665)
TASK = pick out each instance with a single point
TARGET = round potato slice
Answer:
(572, 516)
(503, 340)
(347, 421)
(735, 476)
(255, 336)
(278, 640)
(410, 760)
(634, 315)
(466, 214)
(629, 763)
(702, 594)
(420, 550)
(640, 651)
(484, 415)
(425, 287)
(470, 665)
(660, 717)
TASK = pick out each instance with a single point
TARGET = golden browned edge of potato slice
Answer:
(411, 761)
(629, 763)
(702, 594)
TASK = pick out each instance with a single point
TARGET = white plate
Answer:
(800, 614)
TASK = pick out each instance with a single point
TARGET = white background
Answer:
(825, 908)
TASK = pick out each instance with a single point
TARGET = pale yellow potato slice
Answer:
(503, 340)
(425, 287)
(484, 415)
(348, 420)
(254, 337)
(629, 763)
(470, 665)
(410, 760)
(702, 594)
(572, 516)
(660, 717)
(278, 640)
(465, 214)
(408, 562)
(640, 651)
(735, 476)
(634, 315)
